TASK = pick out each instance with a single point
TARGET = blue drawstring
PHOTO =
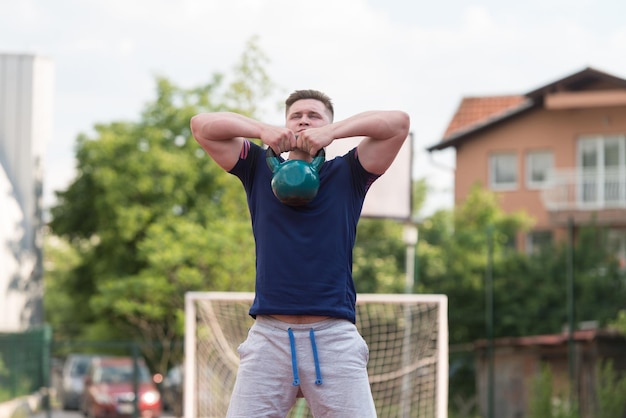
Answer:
(318, 372)
(294, 360)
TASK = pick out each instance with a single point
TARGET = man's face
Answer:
(307, 113)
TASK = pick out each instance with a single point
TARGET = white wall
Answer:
(26, 104)
(390, 195)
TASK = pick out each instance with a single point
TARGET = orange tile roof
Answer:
(478, 110)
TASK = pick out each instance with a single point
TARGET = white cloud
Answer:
(478, 20)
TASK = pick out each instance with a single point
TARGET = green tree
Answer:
(380, 254)
(529, 289)
(149, 217)
(597, 276)
(379, 257)
(453, 257)
(59, 304)
(619, 323)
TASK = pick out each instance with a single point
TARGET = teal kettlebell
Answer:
(295, 182)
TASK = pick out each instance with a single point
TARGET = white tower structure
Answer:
(26, 105)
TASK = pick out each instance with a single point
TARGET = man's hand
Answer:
(314, 139)
(279, 139)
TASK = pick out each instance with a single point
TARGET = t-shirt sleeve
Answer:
(363, 178)
(245, 166)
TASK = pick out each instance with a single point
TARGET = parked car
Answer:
(172, 390)
(109, 389)
(73, 380)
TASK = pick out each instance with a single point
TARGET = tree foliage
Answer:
(620, 321)
(379, 257)
(149, 217)
(529, 289)
(453, 257)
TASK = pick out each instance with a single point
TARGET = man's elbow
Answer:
(196, 124)
(402, 123)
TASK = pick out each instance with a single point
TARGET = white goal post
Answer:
(407, 335)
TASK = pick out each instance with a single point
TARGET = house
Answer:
(557, 152)
(517, 361)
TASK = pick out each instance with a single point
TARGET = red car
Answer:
(109, 389)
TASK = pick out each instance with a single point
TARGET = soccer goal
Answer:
(407, 336)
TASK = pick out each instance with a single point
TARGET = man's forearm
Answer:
(212, 129)
(378, 125)
(221, 126)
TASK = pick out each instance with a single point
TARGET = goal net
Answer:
(407, 337)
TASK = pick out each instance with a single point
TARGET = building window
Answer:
(602, 170)
(539, 164)
(538, 240)
(503, 171)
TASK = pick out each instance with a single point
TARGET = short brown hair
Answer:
(310, 94)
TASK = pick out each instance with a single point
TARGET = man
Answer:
(304, 341)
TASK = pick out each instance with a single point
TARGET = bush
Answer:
(610, 392)
(544, 404)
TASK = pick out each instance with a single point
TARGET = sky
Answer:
(420, 57)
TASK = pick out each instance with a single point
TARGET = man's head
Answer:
(310, 95)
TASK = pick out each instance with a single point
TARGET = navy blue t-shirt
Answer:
(304, 253)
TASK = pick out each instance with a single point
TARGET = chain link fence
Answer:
(25, 362)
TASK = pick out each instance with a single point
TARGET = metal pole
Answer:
(570, 311)
(410, 239)
(47, 356)
(135, 352)
(489, 313)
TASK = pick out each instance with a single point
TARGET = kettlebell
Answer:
(295, 182)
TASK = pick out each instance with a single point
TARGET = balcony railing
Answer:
(578, 189)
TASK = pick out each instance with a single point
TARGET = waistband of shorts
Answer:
(268, 321)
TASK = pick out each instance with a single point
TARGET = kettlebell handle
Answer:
(274, 163)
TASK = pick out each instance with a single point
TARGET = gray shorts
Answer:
(278, 364)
